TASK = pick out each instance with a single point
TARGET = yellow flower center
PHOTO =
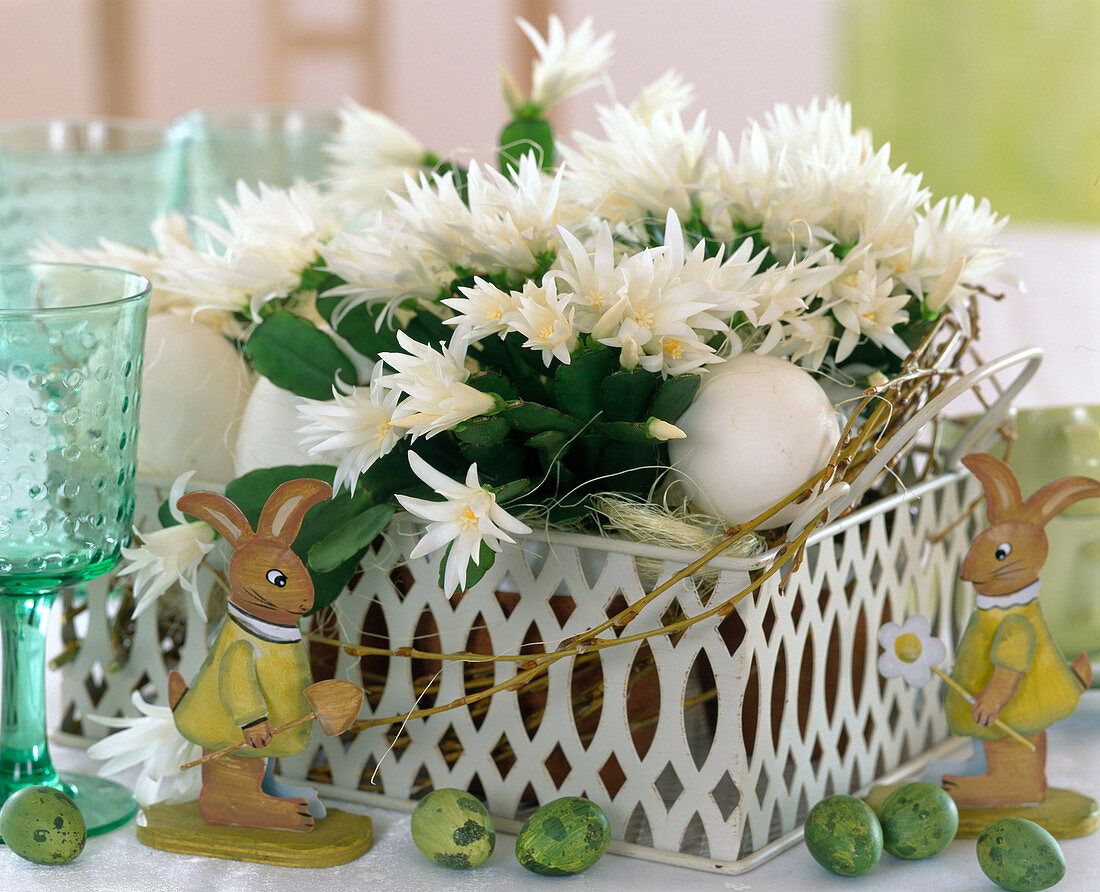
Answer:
(644, 319)
(908, 647)
(546, 332)
(672, 347)
(468, 519)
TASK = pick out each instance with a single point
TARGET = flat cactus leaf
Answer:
(625, 395)
(496, 462)
(533, 418)
(577, 385)
(484, 430)
(674, 396)
(348, 540)
(492, 382)
(296, 356)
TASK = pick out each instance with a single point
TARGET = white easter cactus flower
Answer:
(169, 556)
(152, 741)
(468, 516)
(910, 650)
(355, 427)
(436, 395)
(566, 63)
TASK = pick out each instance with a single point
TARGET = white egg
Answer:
(758, 429)
(268, 435)
(194, 388)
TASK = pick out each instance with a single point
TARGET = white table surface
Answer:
(116, 861)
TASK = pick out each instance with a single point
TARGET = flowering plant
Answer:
(536, 330)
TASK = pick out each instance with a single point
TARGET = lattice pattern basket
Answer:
(705, 747)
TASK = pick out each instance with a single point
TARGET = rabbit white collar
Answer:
(1024, 596)
(262, 628)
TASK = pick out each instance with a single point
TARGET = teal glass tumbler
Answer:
(275, 145)
(78, 180)
(71, 344)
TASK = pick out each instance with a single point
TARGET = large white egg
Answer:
(194, 388)
(758, 429)
(269, 434)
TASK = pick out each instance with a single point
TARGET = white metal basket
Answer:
(758, 714)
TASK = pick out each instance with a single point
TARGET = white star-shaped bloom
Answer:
(355, 427)
(169, 556)
(468, 516)
(152, 741)
(436, 395)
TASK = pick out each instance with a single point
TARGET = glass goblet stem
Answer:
(24, 754)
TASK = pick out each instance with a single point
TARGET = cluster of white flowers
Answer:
(668, 245)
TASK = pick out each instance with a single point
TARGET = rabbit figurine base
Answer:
(1007, 657)
(254, 679)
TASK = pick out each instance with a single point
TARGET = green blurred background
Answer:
(998, 98)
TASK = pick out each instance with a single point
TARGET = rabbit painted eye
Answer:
(1003, 551)
(276, 578)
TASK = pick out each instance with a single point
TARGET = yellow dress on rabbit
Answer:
(1015, 637)
(255, 670)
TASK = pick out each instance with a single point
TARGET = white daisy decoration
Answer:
(152, 741)
(910, 650)
(467, 517)
(169, 556)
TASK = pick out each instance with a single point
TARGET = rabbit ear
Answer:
(1002, 490)
(219, 512)
(1056, 497)
(286, 508)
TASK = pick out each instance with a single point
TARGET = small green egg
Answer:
(42, 825)
(563, 837)
(1019, 855)
(843, 835)
(453, 829)
(918, 820)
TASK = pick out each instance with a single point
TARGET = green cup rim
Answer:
(263, 119)
(142, 290)
(32, 136)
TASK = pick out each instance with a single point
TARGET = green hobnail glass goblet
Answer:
(79, 180)
(271, 144)
(71, 341)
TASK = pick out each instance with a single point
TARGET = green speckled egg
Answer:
(1019, 855)
(844, 836)
(563, 837)
(918, 820)
(42, 825)
(453, 829)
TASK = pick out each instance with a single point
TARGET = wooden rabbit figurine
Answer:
(254, 677)
(1007, 658)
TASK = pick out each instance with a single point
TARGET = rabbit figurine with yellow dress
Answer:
(257, 671)
(1007, 657)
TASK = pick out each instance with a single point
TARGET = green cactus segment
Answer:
(563, 837)
(1019, 855)
(42, 825)
(485, 430)
(673, 397)
(523, 136)
(453, 829)
(918, 820)
(533, 418)
(625, 395)
(294, 355)
(577, 385)
(844, 836)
